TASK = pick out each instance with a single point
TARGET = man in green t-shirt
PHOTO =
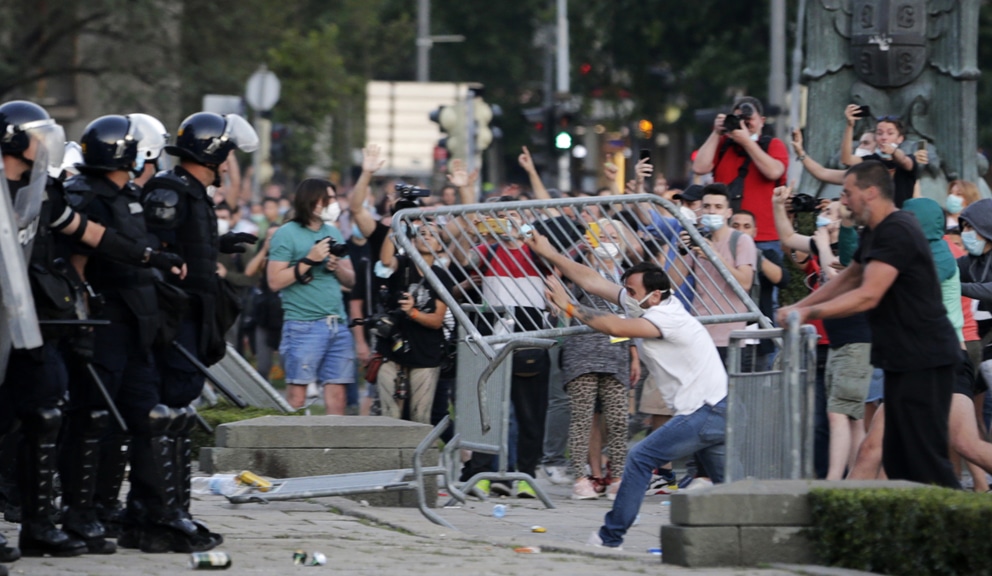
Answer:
(307, 268)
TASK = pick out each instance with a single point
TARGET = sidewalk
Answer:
(359, 539)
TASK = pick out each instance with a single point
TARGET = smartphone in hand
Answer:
(863, 112)
(646, 154)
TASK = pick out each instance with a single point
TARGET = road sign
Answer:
(262, 90)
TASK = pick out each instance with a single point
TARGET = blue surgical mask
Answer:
(712, 222)
(822, 221)
(139, 164)
(973, 243)
(954, 204)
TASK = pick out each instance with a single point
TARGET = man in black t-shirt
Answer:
(894, 279)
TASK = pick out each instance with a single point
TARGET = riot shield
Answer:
(18, 319)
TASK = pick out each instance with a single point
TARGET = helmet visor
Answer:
(50, 137)
(240, 133)
(154, 136)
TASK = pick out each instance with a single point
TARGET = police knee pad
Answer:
(98, 422)
(179, 419)
(190, 420)
(159, 420)
(42, 421)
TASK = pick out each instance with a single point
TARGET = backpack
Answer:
(755, 291)
(735, 188)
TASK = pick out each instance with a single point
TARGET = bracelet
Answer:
(570, 310)
(413, 313)
(800, 158)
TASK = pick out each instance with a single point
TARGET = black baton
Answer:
(213, 380)
(106, 396)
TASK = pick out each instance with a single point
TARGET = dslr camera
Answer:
(336, 248)
(733, 121)
(409, 191)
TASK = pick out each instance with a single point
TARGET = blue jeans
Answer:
(701, 433)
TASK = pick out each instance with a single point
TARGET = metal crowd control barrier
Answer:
(241, 379)
(497, 287)
(770, 413)
(494, 287)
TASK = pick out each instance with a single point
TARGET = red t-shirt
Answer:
(757, 189)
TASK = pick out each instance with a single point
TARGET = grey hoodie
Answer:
(976, 271)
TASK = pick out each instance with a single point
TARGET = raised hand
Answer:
(851, 113)
(525, 161)
(457, 174)
(372, 159)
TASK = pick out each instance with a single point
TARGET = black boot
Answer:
(80, 461)
(110, 476)
(184, 464)
(37, 464)
(154, 519)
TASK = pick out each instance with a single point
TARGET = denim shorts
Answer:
(318, 351)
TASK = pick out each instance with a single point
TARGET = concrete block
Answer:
(765, 544)
(759, 502)
(700, 546)
(321, 431)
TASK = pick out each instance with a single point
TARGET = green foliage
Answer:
(221, 414)
(933, 531)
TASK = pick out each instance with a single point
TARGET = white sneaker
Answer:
(698, 484)
(558, 475)
(312, 390)
(611, 492)
(584, 490)
(595, 540)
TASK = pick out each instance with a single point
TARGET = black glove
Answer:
(165, 261)
(230, 243)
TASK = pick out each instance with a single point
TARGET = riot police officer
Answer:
(93, 459)
(35, 377)
(180, 213)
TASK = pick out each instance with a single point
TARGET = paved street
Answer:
(359, 539)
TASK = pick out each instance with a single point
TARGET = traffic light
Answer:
(453, 121)
(540, 121)
(644, 129)
(563, 131)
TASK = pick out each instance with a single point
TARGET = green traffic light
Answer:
(563, 141)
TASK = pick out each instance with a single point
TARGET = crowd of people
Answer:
(142, 278)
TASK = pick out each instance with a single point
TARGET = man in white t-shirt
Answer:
(683, 362)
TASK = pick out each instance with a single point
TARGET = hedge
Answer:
(223, 413)
(913, 531)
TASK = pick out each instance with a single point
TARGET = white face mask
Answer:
(712, 222)
(223, 226)
(330, 213)
(861, 152)
(608, 251)
(211, 190)
(632, 307)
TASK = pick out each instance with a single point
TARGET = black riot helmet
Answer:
(109, 143)
(22, 121)
(207, 138)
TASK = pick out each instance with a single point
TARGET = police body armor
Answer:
(175, 201)
(126, 287)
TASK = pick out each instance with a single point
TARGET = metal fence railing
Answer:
(770, 412)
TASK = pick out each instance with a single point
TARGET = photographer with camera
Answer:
(409, 333)
(308, 264)
(748, 162)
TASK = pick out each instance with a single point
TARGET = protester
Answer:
(893, 276)
(683, 363)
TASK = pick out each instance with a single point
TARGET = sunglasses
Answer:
(887, 118)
